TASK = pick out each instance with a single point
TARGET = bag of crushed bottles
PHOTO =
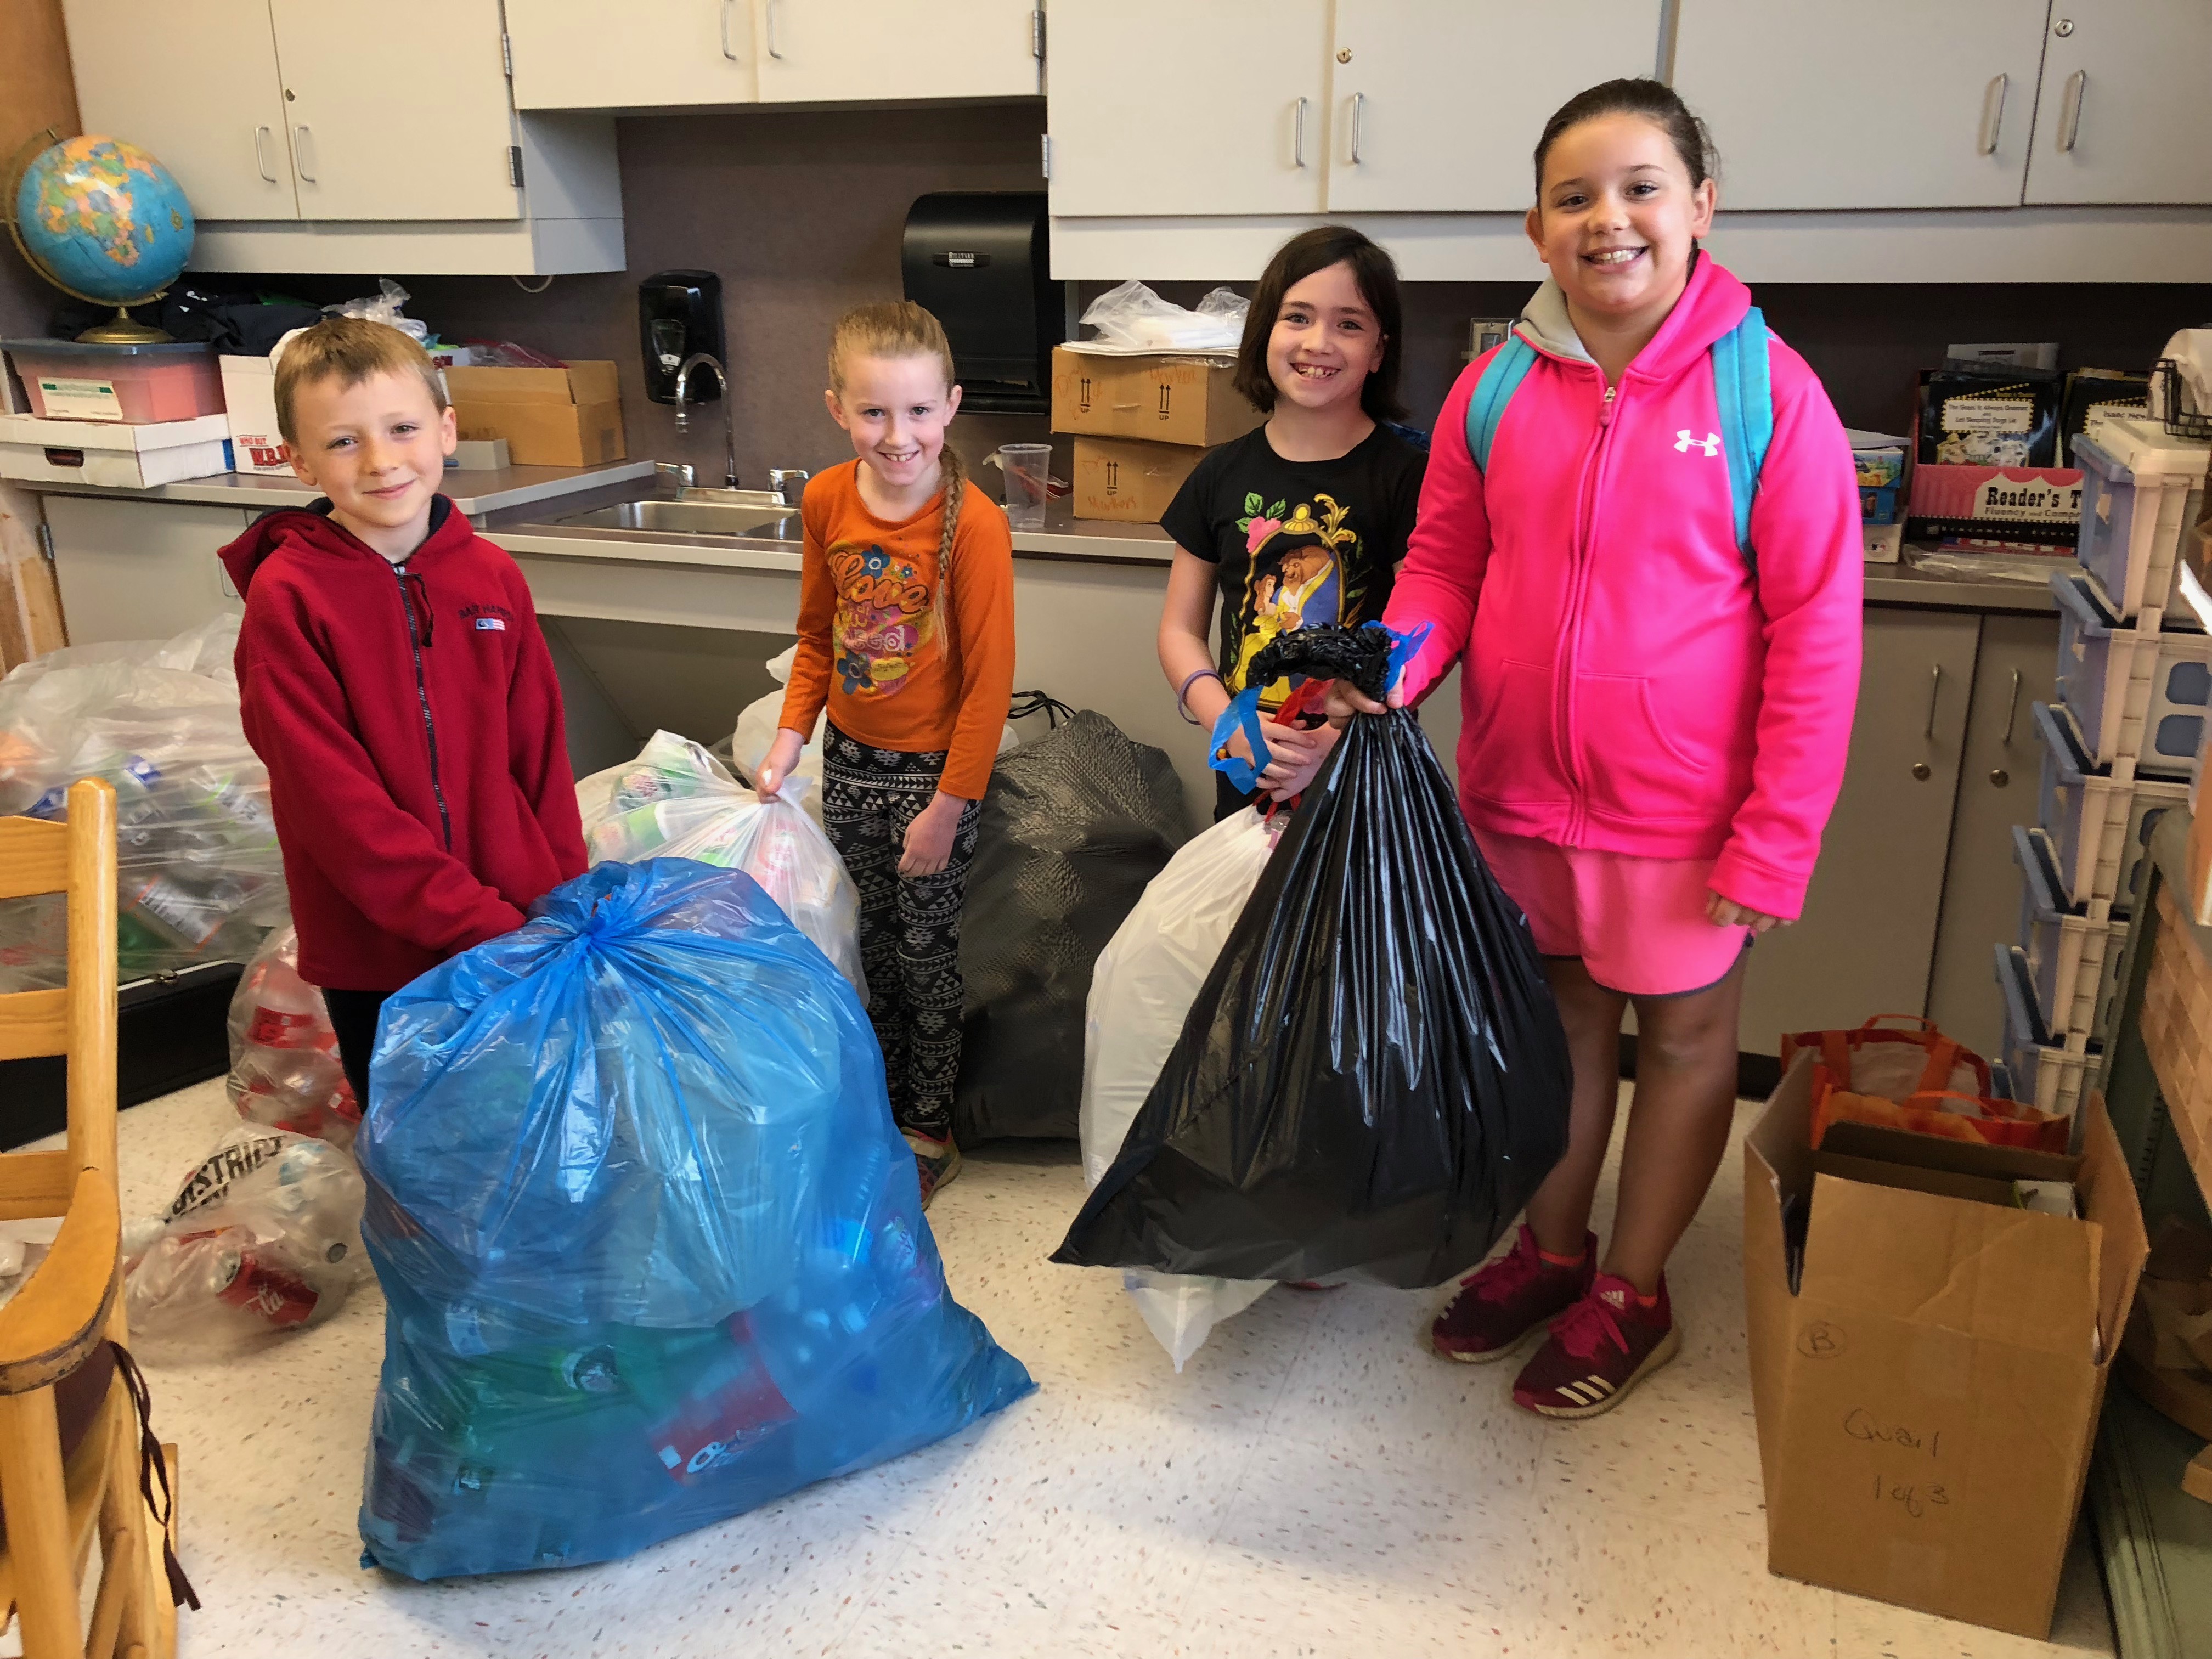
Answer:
(1075, 823)
(677, 801)
(197, 869)
(653, 1250)
(1141, 991)
(262, 1238)
(284, 1066)
(1373, 1078)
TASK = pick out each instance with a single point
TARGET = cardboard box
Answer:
(112, 454)
(1166, 398)
(1884, 543)
(1928, 1397)
(568, 416)
(249, 402)
(1128, 482)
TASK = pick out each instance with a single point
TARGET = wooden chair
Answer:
(54, 1335)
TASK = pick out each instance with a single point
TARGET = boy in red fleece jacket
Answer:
(393, 679)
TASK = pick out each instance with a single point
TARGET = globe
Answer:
(104, 221)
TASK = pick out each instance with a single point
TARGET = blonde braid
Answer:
(956, 491)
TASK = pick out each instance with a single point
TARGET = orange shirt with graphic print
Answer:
(871, 642)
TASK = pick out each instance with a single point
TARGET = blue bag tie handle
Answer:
(1404, 647)
(1241, 714)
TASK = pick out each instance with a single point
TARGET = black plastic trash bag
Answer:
(1374, 1077)
(1075, 824)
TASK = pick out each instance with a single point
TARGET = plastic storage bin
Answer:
(2073, 963)
(138, 385)
(2047, 1072)
(2136, 693)
(2140, 490)
(2096, 823)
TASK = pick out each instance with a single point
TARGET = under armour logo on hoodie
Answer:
(1684, 443)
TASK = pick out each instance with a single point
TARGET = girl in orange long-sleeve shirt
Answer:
(906, 632)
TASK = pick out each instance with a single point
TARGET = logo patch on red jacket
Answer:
(487, 618)
(490, 625)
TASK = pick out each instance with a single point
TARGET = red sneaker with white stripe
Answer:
(1599, 1350)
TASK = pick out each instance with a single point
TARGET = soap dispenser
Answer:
(679, 313)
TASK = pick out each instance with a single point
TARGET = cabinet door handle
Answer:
(2070, 112)
(303, 145)
(1935, 694)
(1298, 135)
(727, 52)
(2011, 708)
(1358, 109)
(1993, 103)
(772, 51)
(261, 156)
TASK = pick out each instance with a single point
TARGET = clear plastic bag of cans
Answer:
(263, 1239)
(677, 801)
(284, 1066)
(197, 871)
(652, 1248)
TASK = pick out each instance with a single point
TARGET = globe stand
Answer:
(123, 329)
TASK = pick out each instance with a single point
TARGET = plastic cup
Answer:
(1028, 469)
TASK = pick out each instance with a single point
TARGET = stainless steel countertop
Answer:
(475, 491)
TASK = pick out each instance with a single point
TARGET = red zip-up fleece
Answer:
(411, 721)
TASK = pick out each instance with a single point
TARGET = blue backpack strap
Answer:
(1507, 366)
(1743, 384)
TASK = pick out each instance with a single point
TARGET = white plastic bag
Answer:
(284, 1066)
(676, 800)
(1134, 319)
(197, 871)
(755, 735)
(264, 1236)
(1141, 991)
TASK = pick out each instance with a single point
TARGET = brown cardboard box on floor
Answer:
(1168, 399)
(1126, 481)
(1928, 1396)
(569, 417)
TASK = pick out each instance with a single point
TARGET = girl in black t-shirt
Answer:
(1304, 519)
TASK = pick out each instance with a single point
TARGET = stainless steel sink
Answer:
(757, 513)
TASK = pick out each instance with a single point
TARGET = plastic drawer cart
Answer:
(2073, 963)
(2047, 1070)
(2136, 692)
(2096, 822)
(2141, 488)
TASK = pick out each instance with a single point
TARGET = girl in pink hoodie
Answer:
(1655, 717)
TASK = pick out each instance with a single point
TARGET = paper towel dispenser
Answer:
(980, 261)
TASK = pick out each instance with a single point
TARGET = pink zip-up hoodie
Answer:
(1630, 684)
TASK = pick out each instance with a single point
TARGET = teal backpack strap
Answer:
(1507, 368)
(1743, 384)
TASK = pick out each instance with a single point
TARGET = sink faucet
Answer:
(703, 360)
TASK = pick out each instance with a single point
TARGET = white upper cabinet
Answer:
(2126, 111)
(196, 87)
(1875, 104)
(843, 51)
(1163, 106)
(1438, 104)
(571, 54)
(398, 114)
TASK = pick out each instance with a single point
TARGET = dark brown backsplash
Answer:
(800, 213)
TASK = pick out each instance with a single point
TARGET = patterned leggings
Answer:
(909, 929)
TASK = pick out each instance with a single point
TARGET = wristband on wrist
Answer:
(1183, 691)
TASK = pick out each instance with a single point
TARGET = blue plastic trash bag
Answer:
(654, 1251)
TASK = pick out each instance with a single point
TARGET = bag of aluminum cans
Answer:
(284, 1066)
(262, 1238)
(651, 1249)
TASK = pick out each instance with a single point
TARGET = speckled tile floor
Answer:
(1315, 1483)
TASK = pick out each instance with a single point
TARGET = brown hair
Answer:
(1656, 102)
(1309, 251)
(349, 350)
(900, 328)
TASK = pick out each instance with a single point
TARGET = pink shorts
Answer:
(1638, 924)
